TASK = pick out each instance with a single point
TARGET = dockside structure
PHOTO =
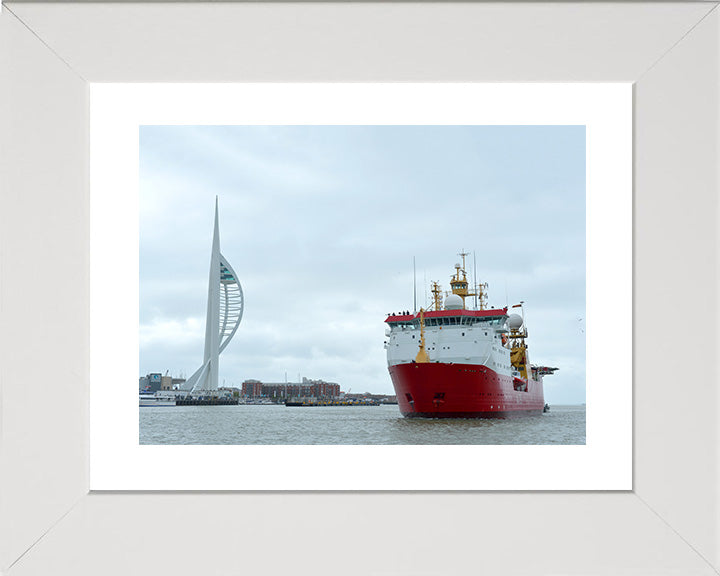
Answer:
(306, 389)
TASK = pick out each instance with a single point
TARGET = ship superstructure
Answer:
(455, 361)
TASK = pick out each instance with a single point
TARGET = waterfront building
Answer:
(177, 383)
(252, 389)
(156, 381)
(151, 382)
(282, 391)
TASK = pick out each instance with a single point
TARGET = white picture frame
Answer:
(667, 524)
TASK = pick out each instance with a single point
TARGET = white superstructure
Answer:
(457, 337)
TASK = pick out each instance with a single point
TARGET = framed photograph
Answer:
(131, 122)
(55, 512)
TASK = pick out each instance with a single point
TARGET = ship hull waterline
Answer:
(444, 390)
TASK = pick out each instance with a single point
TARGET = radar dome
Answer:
(515, 321)
(453, 302)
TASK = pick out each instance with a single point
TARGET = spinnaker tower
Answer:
(224, 311)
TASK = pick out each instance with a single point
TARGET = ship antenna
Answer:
(414, 289)
(475, 278)
(425, 286)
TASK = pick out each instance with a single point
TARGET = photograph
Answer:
(362, 284)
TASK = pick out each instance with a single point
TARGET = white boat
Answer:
(156, 399)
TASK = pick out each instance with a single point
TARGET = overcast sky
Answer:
(321, 224)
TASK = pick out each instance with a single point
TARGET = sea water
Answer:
(277, 424)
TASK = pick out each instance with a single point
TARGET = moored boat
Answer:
(156, 399)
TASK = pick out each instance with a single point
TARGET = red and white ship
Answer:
(455, 362)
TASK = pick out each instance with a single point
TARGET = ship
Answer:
(159, 398)
(461, 359)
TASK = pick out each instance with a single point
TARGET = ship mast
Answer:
(516, 344)
(437, 296)
(475, 279)
(414, 289)
(482, 295)
(422, 355)
(459, 282)
(459, 286)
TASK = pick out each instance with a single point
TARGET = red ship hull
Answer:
(435, 390)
